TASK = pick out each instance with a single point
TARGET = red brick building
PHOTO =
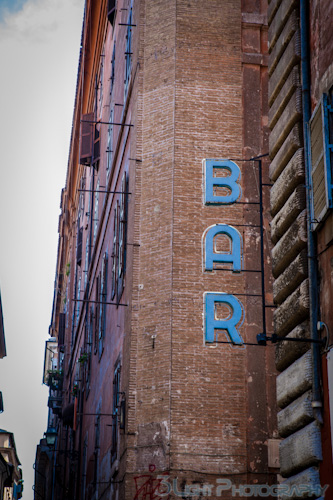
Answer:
(160, 288)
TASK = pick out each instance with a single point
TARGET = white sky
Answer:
(39, 51)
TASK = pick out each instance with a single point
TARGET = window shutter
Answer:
(320, 150)
(86, 139)
(79, 247)
(128, 58)
(102, 305)
(110, 145)
(122, 235)
(97, 294)
(113, 67)
(115, 412)
(111, 10)
(114, 253)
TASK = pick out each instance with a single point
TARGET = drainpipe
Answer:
(312, 246)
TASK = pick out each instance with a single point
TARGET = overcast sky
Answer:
(39, 51)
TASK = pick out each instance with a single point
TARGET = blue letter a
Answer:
(234, 257)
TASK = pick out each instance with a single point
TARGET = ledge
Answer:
(294, 381)
(301, 450)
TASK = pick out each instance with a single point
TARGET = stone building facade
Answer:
(300, 92)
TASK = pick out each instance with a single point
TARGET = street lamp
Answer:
(51, 436)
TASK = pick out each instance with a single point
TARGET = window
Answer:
(97, 150)
(79, 246)
(100, 84)
(96, 324)
(113, 60)
(96, 211)
(86, 138)
(89, 339)
(111, 10)
(128, 53)
(119, 242)
(62, 330)
(78, 302)
(122, 236)
(115, 411)
(86, 262)
(89, 141)
(87, 253)
(102, 304)
(109, 146)
(114, 252)
(321, 149)
(66, 305)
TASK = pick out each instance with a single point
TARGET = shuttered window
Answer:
(122, 235)
(110, 145)
(321, 169)
(89, 339)
(78, 303)
(89, 141)
(102, 304)
(119, 242)
(79, 247)
(128, 53)
(114, 253)
(113, 60)
(86, 139)
(97, 149)
(115, 412)
(96, 325)
(96, 212)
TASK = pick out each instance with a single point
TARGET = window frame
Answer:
(115, 411)
(102, 305)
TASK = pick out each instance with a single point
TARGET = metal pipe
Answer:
(312, 257)
(262, 259)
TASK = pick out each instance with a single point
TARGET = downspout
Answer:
(312, 246)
